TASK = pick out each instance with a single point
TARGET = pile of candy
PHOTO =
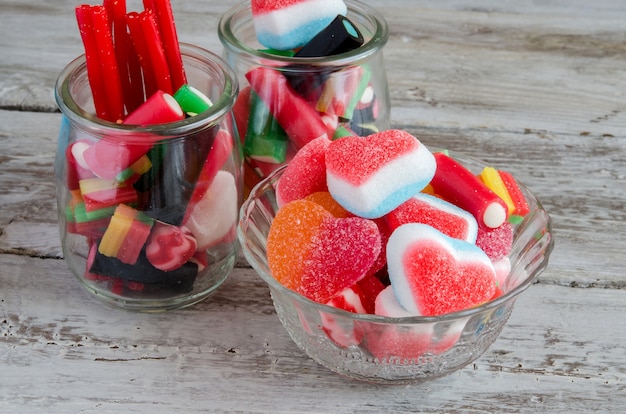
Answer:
(149, 206)
(381, 225)
(287, 105)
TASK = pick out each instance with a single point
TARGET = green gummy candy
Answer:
(265, 139)
(191, 100)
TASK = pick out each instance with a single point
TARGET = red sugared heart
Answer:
(433, 274)
(373, 175)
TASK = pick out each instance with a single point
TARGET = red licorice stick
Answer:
(110, 155)
(299, 120)
(218, 155)
(458, 185)
(162, 10)
(141, 50)
(521, 205)
(94, 72)
(108, 63)
(128, 64)
(155, 49)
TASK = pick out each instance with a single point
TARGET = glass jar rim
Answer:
(380, 36)
(221, 106)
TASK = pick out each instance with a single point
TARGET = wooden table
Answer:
(537, 88)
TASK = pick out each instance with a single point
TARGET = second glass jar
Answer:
(287, 101)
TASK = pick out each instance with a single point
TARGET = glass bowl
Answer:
(388, 350)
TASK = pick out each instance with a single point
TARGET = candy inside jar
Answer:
(148, 206)
(307, 70)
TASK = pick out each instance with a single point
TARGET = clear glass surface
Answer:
(394, 350)
(166, 190)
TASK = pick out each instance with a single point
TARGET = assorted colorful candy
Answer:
(149, 207)
(287, 105)
(445, 233)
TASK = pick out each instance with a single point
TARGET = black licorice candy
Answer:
(179, 280)
(340, 36)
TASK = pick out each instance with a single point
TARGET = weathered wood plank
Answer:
(230, 353)
(537, 88)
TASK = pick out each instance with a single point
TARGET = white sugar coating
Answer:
(387, 188)
(387, 304)
(494, 215)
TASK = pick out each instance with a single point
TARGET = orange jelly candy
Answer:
(318, 255)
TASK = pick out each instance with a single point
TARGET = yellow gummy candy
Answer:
(492, 179)
(116, 232)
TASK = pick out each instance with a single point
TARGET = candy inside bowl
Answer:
(398, 349)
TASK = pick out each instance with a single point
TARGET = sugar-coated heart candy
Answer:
(213, 217)
(433, 274)
(445, 217)
(305, 174)
(318, 255)
(373, 175)
(289, 24)
(387, 304)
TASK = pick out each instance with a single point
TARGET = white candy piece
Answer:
(214, 216)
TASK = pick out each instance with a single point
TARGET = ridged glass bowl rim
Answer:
(271, 179)
(380, 36)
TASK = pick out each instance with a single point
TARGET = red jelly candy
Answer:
(317, 255)
(445, 217)
(305, 174)
(496, 243)
(433, 274)
(169, 247)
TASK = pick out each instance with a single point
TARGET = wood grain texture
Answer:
(538, 89)
(229, 354)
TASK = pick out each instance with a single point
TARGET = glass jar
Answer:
(286, 101)
(148, 214)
